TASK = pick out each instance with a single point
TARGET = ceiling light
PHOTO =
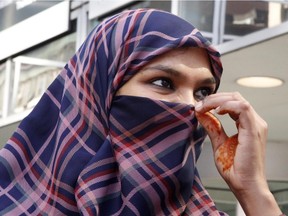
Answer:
(259, 81)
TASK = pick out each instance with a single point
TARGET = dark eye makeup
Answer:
(167, 84)
(167, 81)
(163, 82)
(203, 92)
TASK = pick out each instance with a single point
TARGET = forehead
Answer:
(193, 57)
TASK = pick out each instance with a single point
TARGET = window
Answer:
(162, 5)
(243, 18)
(199, 13)
(31, 79)
(35, 70)
(2, 86)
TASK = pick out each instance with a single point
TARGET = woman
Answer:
(116, 132)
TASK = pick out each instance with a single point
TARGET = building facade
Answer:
(38, 37)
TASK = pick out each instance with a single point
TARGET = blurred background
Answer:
(37, 38)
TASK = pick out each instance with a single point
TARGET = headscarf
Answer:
(84, 151)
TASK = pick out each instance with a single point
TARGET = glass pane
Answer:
(199, 13)
(33, 81)
(161, 4)
(61, 49)
(245, 17)
(2, 84)
(36, 69)
(285, 12)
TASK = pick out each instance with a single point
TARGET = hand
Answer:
(244, 167)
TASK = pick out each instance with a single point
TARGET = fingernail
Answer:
(198, 105)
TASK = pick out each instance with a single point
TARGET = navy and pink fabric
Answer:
(84, 151)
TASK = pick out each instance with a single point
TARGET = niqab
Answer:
(84, 151)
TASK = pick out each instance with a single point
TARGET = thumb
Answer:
(213, 127)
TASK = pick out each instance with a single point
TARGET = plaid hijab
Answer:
(84, 151)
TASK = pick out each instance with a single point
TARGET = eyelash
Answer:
(209, 90)
(165, 79)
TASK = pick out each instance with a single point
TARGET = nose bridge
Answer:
(186, 96)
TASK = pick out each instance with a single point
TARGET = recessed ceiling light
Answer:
(259, 81)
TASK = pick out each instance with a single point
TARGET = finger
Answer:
(231, 108)
(241, 112)
(215, 100)
(224, 147)
(213, 127)
(226, 152)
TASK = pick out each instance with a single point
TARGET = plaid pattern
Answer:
(83, 151)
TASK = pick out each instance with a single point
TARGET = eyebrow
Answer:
(166, 69)
(171, 71)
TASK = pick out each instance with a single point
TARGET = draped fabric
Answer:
(84, 151)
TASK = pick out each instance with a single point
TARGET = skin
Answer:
(181, 76)
(184, 76)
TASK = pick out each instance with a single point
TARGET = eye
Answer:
(163, 83)
(202, 93)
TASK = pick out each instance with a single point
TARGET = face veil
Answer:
(84, 151)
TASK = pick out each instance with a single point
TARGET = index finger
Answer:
(213, 127)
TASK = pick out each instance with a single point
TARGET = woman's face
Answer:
(181, 75)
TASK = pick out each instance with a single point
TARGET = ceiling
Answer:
(268, 58)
